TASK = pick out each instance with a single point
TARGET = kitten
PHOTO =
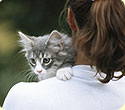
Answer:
(49, 55)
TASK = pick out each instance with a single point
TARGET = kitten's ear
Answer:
(55, 39)
(25, 41)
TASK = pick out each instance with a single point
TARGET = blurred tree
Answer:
(33, 17)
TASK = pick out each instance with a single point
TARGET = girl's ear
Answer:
(71, 20)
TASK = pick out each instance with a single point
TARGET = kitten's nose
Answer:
(39, 71)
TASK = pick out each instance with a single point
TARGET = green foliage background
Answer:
(33, 17)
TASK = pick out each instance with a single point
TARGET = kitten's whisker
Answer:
(28, 71)
(21, 73)
(29, 76)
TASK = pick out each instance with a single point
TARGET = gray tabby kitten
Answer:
(49, 55)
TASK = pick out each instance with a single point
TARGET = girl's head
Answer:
(99, 28)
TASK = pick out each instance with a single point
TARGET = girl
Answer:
(98, 31)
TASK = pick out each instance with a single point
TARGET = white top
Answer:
(82, 92)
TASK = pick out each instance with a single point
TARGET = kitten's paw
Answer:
(64, 73)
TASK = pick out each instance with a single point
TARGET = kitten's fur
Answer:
(49, 55)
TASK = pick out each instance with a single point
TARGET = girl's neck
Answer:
(81, 59)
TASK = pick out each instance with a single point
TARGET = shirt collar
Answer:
(84, 71)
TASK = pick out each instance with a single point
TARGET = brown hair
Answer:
(102, 34)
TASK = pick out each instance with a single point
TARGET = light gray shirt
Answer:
(82, 92)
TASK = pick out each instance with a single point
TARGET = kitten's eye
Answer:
(32, 60)
(46, 60)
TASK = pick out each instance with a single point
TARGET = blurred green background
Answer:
(33, 17)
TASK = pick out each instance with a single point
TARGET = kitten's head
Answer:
(42, 53)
